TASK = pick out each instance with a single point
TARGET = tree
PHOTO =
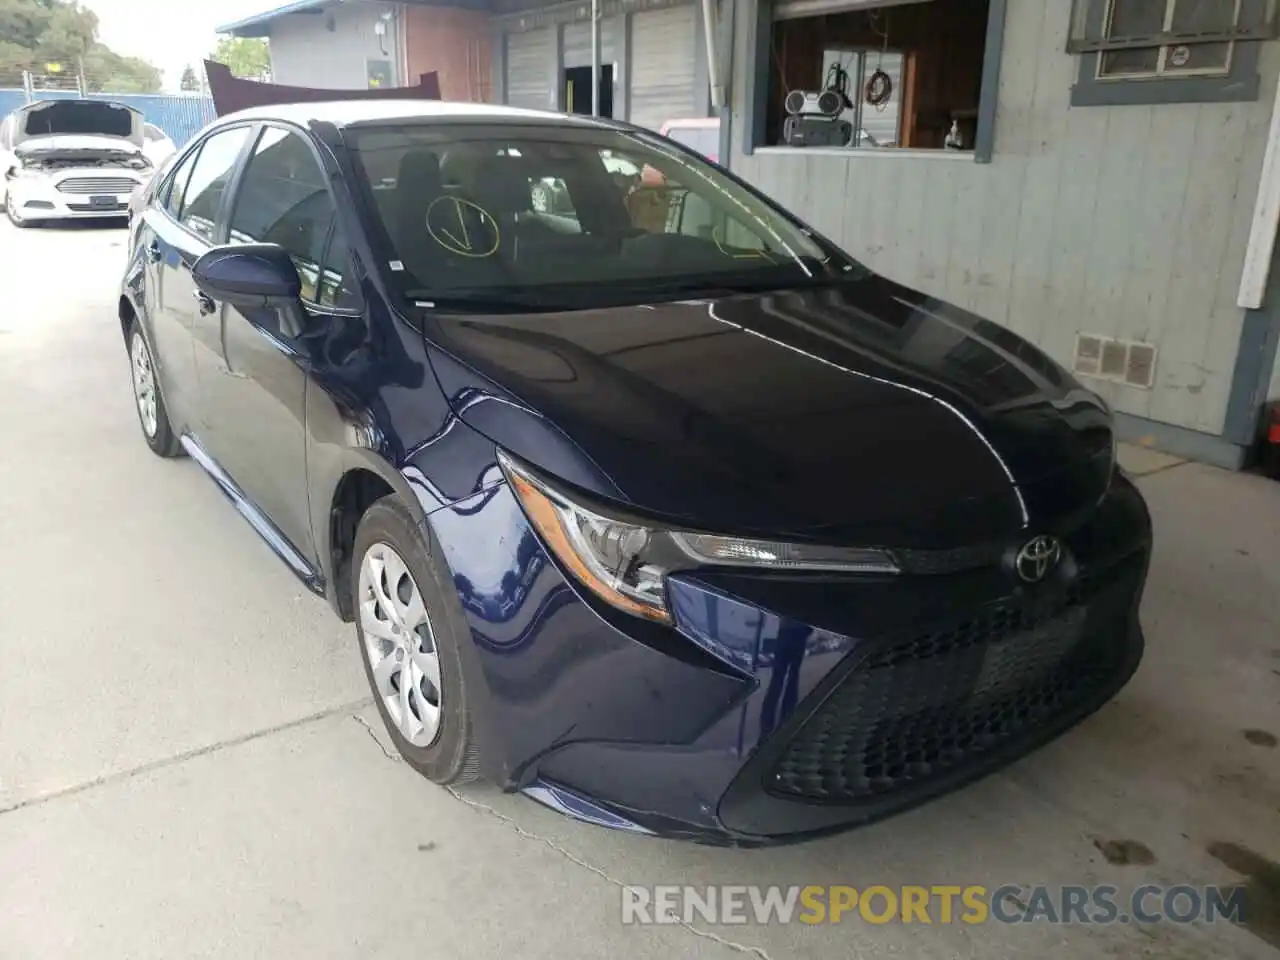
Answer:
(107, 71)
(37, 33)
(247, 57)
(189, 82)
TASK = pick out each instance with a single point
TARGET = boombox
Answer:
(814, 119)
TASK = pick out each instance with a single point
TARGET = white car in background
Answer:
(157, 145)
(71, 159)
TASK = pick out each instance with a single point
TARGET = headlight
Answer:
(625, 561)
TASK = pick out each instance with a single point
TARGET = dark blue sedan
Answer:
(658, 507)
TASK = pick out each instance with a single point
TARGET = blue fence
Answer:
(181, 117)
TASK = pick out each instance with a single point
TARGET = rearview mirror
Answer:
(248, 275)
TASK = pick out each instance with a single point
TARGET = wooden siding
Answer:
(1124, 221)
(305, 53)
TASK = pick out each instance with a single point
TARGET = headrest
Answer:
(502, 185)
(419, 173)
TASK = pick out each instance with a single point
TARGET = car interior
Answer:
(464, 213)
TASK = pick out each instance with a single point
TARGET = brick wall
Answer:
(455, 43)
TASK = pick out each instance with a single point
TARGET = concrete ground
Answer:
(189, 766)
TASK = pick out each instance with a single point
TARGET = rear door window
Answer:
(209, 179)
(177, 187)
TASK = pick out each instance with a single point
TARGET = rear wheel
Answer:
(152, 416)
(409, 625)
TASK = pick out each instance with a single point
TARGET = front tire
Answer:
(409, 627)
(152, 416)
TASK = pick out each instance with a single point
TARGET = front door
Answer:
(254, 395)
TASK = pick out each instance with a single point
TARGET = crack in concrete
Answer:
(511, 824)
(484, 808)
(179, 758)
(1157, 470)
(373, 735)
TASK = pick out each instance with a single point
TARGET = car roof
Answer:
(346, 113)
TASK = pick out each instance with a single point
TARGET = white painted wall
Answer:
(1128, 221)
(305, 52)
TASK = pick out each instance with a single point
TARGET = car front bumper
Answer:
(38, 198)
(781, 707)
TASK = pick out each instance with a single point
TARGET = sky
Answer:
(170, 40)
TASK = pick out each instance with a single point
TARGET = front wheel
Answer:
(409, 625)
(152, 416)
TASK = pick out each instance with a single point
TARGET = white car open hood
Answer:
(58, 125)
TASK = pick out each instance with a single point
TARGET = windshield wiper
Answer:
(712, 286)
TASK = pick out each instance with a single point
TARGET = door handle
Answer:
(153, 253)
(207, 306)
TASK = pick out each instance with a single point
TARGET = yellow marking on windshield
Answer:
(446, 221)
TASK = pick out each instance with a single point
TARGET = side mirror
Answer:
(248, 275)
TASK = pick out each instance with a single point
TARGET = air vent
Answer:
(1120, 361)
(1088, 355)
(1113, 359)
(1140, 368)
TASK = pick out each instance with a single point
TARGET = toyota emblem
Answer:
(1037, 557)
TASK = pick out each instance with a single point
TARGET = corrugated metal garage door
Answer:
(577, 43)
(662, 71)
(530, 60)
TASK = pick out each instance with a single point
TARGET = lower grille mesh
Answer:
(939, 702)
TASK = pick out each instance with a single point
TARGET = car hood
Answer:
(78, 118)
(863, 411)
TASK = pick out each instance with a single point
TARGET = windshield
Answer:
(565, 217)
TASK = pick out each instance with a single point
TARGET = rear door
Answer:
(169, 330)
(183, 230)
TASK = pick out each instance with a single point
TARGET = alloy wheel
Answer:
(540, 198)
(144, 384)
(400, 644)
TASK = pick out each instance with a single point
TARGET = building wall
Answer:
(306, 52)
(536, 39)
(456, 44)
(1274, 392)
(1123, 221)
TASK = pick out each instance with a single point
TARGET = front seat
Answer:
(501, 185)
(418, 184)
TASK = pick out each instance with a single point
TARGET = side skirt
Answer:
(269, 532)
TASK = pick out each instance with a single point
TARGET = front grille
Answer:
(955, 560)
(95, 208)
(100, 186)
(940, 702)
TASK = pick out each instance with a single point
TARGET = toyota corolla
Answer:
(659, 508)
